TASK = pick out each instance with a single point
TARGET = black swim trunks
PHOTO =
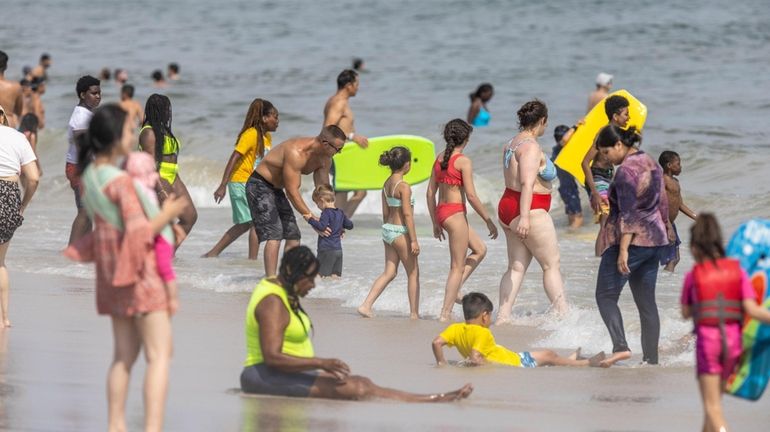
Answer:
(262, 379)
(271, 212)
(10, 203)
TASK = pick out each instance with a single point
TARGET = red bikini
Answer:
(508, 208)
(451, 176)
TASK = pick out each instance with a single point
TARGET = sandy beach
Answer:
(54, 360)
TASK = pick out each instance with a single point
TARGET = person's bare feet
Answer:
(596, 361)
(445, 318)
(209, 255)
(575, 222)
(461, 393)
(503, 320)
(365, 312)
(414, 316)
(614, 358)
(7, 323)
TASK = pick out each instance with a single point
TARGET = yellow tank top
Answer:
(170, 144)
(296, 337)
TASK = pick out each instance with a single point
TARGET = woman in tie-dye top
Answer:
(636, 232)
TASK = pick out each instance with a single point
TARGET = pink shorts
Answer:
(164, 254)
(708, 349)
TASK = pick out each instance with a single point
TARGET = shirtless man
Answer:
(598, 170)
(672, 167)
(282, 168)
(10, 94)
(603, 86)
(130, 106)
(337, 112)
(41, 70)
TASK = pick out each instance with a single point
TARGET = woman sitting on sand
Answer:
(280, 358)
(523, 212)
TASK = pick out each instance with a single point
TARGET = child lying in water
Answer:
(475, 342)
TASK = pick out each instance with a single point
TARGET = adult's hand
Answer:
(336, 367)
(361, 140)
(522, 229)
(623, 261)
(219, 194)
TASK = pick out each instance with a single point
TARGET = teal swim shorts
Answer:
(239, 203)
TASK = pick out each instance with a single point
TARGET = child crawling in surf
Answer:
(717, 295)
(142, 169)
(398, 233)
(475, 342)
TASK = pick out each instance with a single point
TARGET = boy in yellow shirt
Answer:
(475, 342)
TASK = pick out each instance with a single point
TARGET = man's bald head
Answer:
(333, 133)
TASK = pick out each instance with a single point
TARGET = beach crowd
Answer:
(133, 210)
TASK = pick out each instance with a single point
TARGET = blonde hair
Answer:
(324, 193)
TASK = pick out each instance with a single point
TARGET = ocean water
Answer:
(702, 74)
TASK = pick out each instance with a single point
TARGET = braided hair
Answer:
(456, 133)
(258, 110)
(157, 114)
(297, 263)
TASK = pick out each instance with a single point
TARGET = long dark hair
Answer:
(456, 132)
(157, 114)
(297, 263)
(258, 109)
(706, 237)
(104, 132)
(611, 134)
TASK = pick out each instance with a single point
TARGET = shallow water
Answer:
(702, 74)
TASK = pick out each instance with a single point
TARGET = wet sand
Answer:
(53, 364)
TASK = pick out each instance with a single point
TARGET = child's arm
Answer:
(756, 311)
(321, 224)
(476, 359)
(685, 298)
(686, 210)
(438, 350)
(407, 211)
(347, 223)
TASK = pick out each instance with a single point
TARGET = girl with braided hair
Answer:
(157, 139)
(452, 179)
(280, 357)
(254, 141)
(523, 212)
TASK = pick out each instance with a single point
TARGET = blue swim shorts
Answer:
(526, 360)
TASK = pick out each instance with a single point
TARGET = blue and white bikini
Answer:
(390, 232)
